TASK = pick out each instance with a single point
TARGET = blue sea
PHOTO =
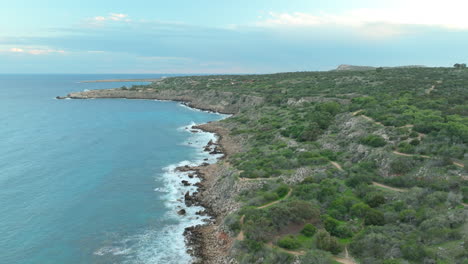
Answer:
(93, 181)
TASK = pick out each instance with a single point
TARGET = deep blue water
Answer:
(90, 181)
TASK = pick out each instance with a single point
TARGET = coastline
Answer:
(203, 242)
(124, 80)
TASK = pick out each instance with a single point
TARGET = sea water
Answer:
(93, 181)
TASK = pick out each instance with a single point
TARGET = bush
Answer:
(415, 142)
(374, 217)
(374, 199)
(309, 230)
(328, 243)
(405, 147)
(373, 141)
(289, 242)
(282, 190)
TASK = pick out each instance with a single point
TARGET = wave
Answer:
(167, 244)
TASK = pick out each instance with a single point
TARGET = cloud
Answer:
(117, 17)
(99, 20)
(34, 51)
(157, 58)
(18, 50)
(392, 20)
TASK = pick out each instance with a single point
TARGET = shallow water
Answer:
(91, 181)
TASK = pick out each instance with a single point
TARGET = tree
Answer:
(309, 230)
(328, 243)
(374, 217)
(289, 242)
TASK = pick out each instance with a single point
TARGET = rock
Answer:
(191, 175)
(194, 131)
(189, 200)
(185, 183)
(181, 212)
(204, 164)
(216, 150)
(205, 159)
(60, 97)
(184, 168)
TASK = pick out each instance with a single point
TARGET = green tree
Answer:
(326, 242)
(309, 230)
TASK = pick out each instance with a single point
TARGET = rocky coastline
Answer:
(206, 243)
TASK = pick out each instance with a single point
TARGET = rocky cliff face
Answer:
(223, 102)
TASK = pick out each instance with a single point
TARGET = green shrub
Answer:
(289, 242)
(413, 134)
(373, 141)
(326, 242)
(282, 190)
(374, 217)
(415, 142)
(374, 199)
(405, 147)
(309, 230)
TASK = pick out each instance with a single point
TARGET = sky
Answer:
(218, 36)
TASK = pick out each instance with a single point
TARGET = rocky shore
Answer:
(207, 243)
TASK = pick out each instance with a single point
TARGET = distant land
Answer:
(346, 67)
(342, 67)
(123, 80)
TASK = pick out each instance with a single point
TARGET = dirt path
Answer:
(292, 252)
(410, 155)
(372, 120)
(428, 91)
(338, 166)
(426, 157)
(347, 258)
(357, 112)
(388, 187)
(240, 236)
(277, 201)
(255, 179)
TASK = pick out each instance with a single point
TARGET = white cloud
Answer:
(117, 17)
(18, 50)
(159, 58)
(34, 51)
(99, 18)
(111, 17)
(388, 21)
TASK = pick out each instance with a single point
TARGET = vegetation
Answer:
(403, 128)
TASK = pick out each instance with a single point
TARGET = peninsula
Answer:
(365, 165)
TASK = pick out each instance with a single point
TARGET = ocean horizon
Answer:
(94, 181)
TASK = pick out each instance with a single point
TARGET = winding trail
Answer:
(458, 164)
(292, 252)
(255, 179)
(410, 155)
(240, 236)
(338, 166)
(347, 258)
(277, 201)
(389, 187)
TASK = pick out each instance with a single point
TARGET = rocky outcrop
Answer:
(222, 102)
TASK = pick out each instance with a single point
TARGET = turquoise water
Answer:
(91, 181)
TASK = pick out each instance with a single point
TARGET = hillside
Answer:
(343, 166)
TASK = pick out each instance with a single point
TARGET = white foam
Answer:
(167, 245)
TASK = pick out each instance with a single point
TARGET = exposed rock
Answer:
(181, 212)
(185, 183)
